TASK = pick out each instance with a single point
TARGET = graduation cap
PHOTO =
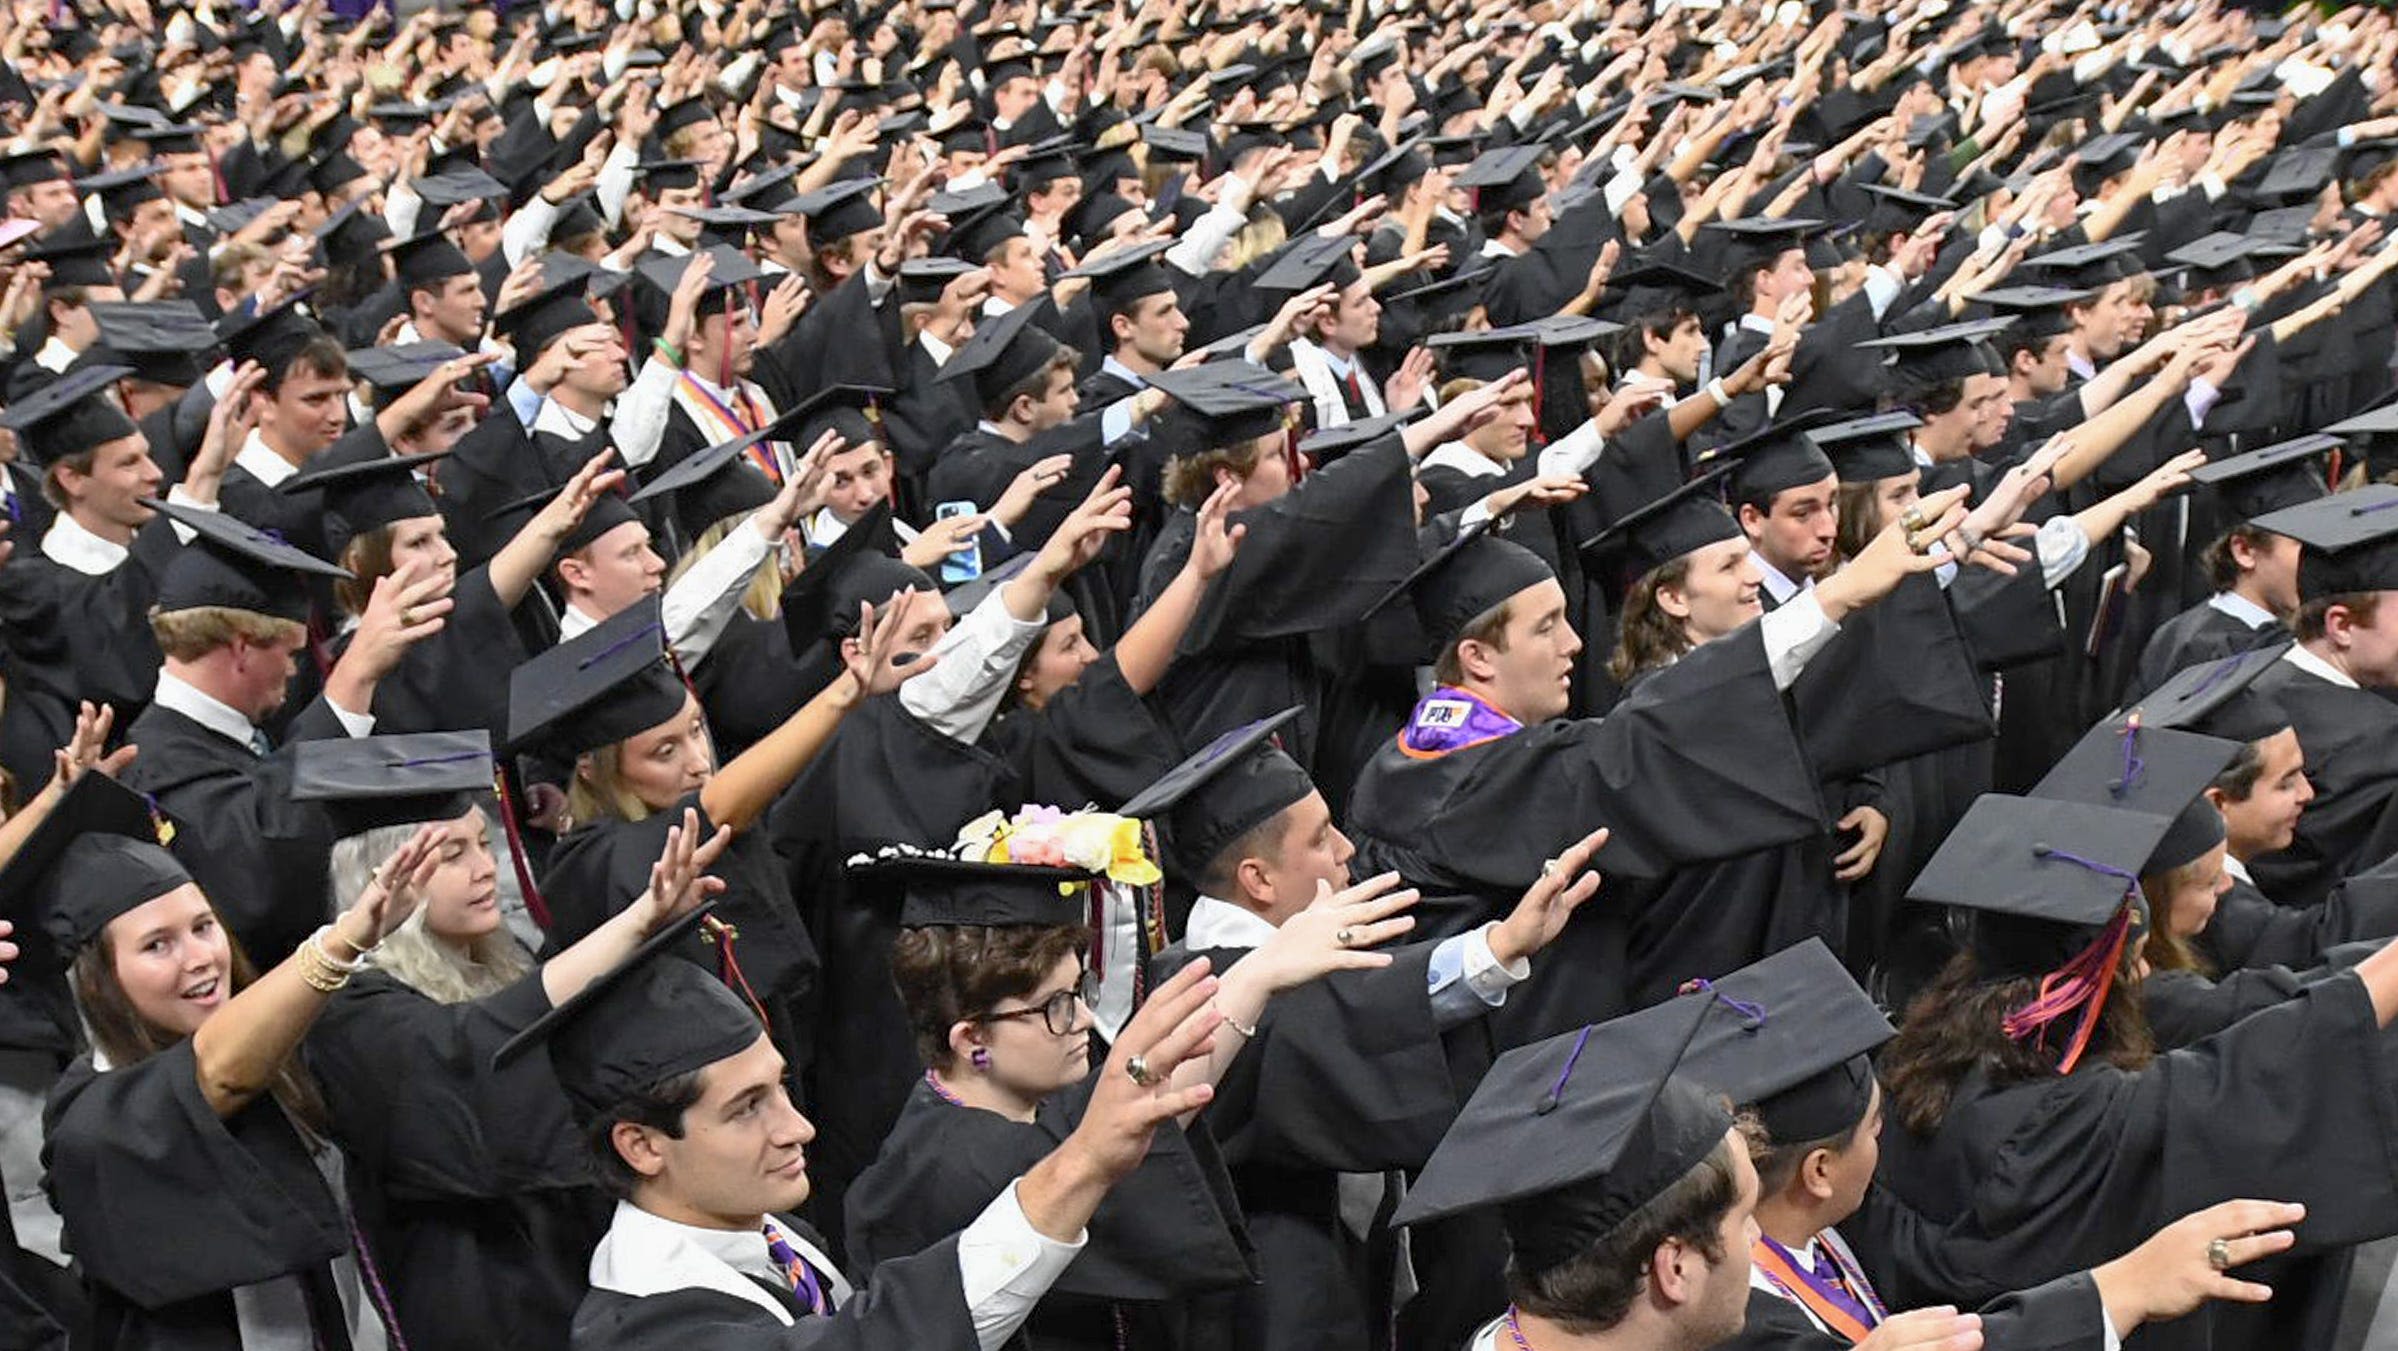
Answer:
(1311, 261)
(2215, 261)
(158, 341)
(768, 191)
(1868, 449)
(841, 409)
(31, 168)
(2382, 421)
(1004, 352)
(2298, 172)
(2260, 482)
(2283, 225)
(1756, 241)
(70, 415)
(2088, 267)
(596, 689)
(1235, 784)
(1127, 275)
(172, 138)
(272, 337)
(541, 318)
(1465, 579)
(2101, 157)
(1236, 401)
(720, 481)
(941, 891)
(2038, 311)
(94, 857)
(75, 262)
(688, 112)
(1044, 164)
(922, 280)
(651, 1018)
(427, 260)
(732, 269)
(234, 565)
(2349, 541)
(367, 783)
(1659, 288)
(121, 190)
(2127, 765)
(958, 203)
(462, 183)
(1680, 523)
(838, 211)
(1174, 143)
(1950, 352)
(1570, 1136)
(2219, 698)
(980, 233)
(394, 370)
(728, 225)
(1326, 444)
(820, 606)
(366, 495)
(1505, 179)
(1896, 208)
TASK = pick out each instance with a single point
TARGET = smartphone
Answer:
(966, 564)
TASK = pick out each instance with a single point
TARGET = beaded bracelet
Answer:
(1249, 1032)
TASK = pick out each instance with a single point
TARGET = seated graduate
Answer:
(2041, 1133)
(2329, 682)
(378, 520)
(860, 474)
(231, 621)
(680, 1097)
(1788, 1041)
(1344, 1080)
(2254, 571)
(992, 964)
(470, 1181)
(192, 1078)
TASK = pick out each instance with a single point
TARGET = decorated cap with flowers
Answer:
(1034, 868)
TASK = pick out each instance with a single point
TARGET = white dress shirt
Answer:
(2317, 667)
(979, 656)
(2242, 608)
(181, 696)
(698, 605)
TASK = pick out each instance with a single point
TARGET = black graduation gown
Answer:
(1164, 1237)
(920, 422)
(169, 1208)
(2250, 929)
(915, 1302)
(471, 1183)
(451, 681)
(70, 637)
(885, 778)
(1347, 1074)
(2036, 1179)
(979, 465)
(597, 870)
(1096, 741)
(2186, 1007)
(2350, 738)
(2065, 1312)
(2199, 634)
(259, 855)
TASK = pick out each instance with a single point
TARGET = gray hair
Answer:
(412, 953)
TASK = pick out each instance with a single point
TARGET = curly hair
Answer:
(1591, 1291)
(1648, 637)
(1952, 1029)
(947, 974)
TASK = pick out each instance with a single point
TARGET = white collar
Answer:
(1756, 323)
(671, 248)
(1464, 459)
(1221, 924)
(2241, 608)
(993, 307)
(2238, 870)
(174, 692)
(408, 333)
(69, 545)
(2315, 666)
(2080, 365)
(55, 356)
(1781, 587)
(824, 527)
(561, 420)
(191, 215)
(573, 624)
(1339, 365)
(938, 350)
(644, 1254)
(1111, 366)
(1492, 248)
(263, 463)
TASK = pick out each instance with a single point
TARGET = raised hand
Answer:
(1903, 548)
(392, 894)
(2177, 1269)
(873, 665)
(87, 747)
(1217, 539)
(679, 881)
(1135, 1092)
(1540, 915)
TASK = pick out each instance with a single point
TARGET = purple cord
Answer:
(2222, 669)
(1557, 1091)
(2133, 765)
(2131, 881)
(439, 759)
(620, 645)
(1755, 1013)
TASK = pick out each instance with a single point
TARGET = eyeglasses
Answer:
(1060, 1012)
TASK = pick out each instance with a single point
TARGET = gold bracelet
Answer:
(317, 969)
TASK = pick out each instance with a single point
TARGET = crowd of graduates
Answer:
(1339, 674)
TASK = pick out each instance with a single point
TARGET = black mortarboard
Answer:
(538, 320)
(1944, 354)
(174, 138)
(2087, 267)
(1659, 288)
(769, 191)
(668, 174)
(1505, 179)
(978, 234)
(75, 262)
(1863, 450)
(2038, 311)
(689, 112)
(2215, 261)
(1128, 274)
(461, 183)
(1757, 241)
(1309, 262)
(597, 689)
(838, 211)
(1235, 400)
(2133, 767)
(2349, 541)
(840, 409)
(651, 1018)
(1174, 143)
(270, 337)
(159, 340)
(69, 415)
(2219, 698)
(2043, 877)
(428, 260)
(1326, 444)
(366, 783)
(939, 891)
(401, 366)
(820, 605)
(366, 495)
(1465, 579)
(95, 857)
(1568, 1137)
(334, 172)
(959, 203)
(1044, 164)
(720, 481)
(2298, 172)
(122, 190)
(26, 168)
(733, 269)
(728, 225)
(1776, 457)
(1789, 1037)
(2262, 481)
(1235, 784)
(1896, 208)
(233, 565)
(1676, 525)
(1003, 352)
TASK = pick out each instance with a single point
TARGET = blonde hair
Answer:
(763, 596)
(414, 954)
(368, 557)
(601, 795)
(188, 635)
(1264, 233)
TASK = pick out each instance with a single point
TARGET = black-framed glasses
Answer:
(1060, 1012)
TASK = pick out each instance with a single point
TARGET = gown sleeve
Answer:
(1896, 682)
(914, 1302)
(2250, 930)
(1097, 741)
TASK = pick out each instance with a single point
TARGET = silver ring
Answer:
(1137, 1069)
(1912, 519)
(1344, 937)
(2218, 1254)
(1548, 867)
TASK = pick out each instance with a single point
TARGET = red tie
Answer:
(1357, 393)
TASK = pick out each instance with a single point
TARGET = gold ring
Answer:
(407, 616)
(2218, 1254)
(1917, 546)
(1912, 519)
(1548, 867)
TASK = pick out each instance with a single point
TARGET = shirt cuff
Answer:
(1005, 1266)
(356, 724)
(184, 534)
(2106, 1323)
(2061, 547)
(1485, 974)
(1794, 632)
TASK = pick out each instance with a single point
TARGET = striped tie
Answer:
(796, 1271)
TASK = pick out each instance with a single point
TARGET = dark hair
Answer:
(1860, 519)
(1952, 1030)
(1105, 311)
(1220, 877)
(1778, 1162)
(2363, 608)
(1033, 386)
(2222, 567)
(2165, 949)
(1926, 398)
(2239, 778)
(120, 1033)
(1630, 345)
(660, 1107)
(1648, 637)
(1591, 1291)
(947, 974)
(1488, 628)
(320, 355)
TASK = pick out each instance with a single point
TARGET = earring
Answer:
(981, 1059)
